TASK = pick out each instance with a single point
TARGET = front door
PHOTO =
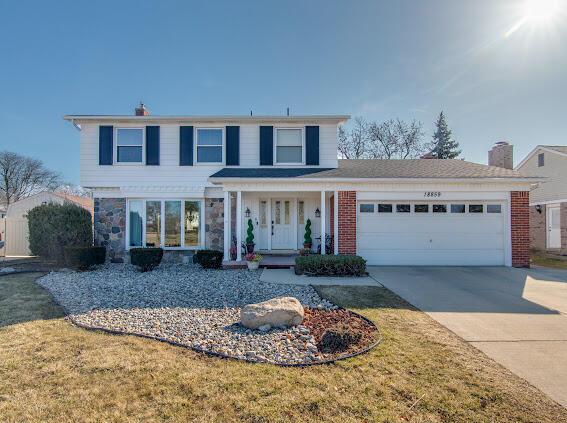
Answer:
(553, 227)
(283, 234)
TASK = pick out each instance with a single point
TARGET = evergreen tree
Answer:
(444, 146)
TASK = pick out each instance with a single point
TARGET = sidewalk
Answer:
(288, 277)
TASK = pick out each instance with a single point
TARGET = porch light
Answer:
(247, 212)
(317, 212)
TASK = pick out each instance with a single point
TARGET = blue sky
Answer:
(376, 59)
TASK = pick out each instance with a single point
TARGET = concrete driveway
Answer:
(518, 317)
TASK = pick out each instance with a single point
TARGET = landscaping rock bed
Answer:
(189, 306)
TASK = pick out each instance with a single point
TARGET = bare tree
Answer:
(354, 144)
(411, 143)
(395, 139)
(22, 176)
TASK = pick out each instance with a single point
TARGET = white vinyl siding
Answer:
(555, 168)
(169, 173)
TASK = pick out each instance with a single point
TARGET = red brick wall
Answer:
(520, 213)
(347, 222)
(332, 215)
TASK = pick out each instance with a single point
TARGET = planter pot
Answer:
(307, 246)
(233, 256)
(250, 248)
(253, 265)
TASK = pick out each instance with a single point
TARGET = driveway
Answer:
(518, 317)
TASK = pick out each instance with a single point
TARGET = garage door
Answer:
(435, 234)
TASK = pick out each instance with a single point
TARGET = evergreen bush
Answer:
(83, 258)
(318, 265)
(52, 227)
(146, 259)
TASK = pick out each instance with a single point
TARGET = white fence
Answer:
(14, 233)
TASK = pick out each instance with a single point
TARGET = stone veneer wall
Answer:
(110, 225)
(538, 230)
(214, 223)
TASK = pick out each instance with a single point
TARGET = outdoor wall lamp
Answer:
(538, 208)
(247, 212)
(317, 212)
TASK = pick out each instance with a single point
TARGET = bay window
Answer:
(171, 224)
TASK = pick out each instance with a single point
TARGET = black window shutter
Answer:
(266, 145)
(232, 145)
(105, 145)
(152, 145)
(312, 145)
(185, 146)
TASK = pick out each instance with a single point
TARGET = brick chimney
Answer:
(141, 110)
(501, 155)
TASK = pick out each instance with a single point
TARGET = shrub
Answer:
(52, 227)
(307, 237)
(83, 258)
(317, 265)
(146, 259)
(250, 233)
(338, 338)
(208, 259)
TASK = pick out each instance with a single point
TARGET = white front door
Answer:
(553, 227)
(283, 223)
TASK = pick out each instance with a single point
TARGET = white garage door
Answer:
(436, 234)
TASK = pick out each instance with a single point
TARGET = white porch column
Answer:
(238, 225)
(323, 218)
(227, 225)
(336, 223)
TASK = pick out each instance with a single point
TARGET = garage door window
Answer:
(403, 208)
(421, 208)
(367, 208)
(494, 208)
(439, 208)
(457, 208)
(476, 208)
(384, 208)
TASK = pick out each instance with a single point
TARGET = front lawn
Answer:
(51, 370)
(549, 260)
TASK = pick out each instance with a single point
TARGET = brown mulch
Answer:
(318, 321)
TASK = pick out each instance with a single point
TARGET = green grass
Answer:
(51, 370)
(542, 259)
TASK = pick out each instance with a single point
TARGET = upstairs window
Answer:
(289, 146)
(209, 145)
(129, 145)
(540, 160)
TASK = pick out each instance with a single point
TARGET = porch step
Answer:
(268, 262)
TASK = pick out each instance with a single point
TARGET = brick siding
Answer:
(347, 222)
(520, 228)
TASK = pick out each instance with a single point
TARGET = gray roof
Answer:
(380, 169)
(560, 148)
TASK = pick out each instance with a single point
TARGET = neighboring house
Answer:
(20, 209)
(548, 199)
(190, 182)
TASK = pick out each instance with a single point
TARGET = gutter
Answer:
(409, 180)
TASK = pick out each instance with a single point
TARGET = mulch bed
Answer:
(318, 321)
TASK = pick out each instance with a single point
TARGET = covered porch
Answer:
(278, 219)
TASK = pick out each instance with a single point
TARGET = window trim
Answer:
(115, 148)
(196, 146)
(275, 152)
(162, 201)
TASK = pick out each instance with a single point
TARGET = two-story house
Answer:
(548, 198)
(190, 182)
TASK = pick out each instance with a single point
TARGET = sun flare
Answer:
(537, 13)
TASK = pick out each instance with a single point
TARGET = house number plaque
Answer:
(432, 194)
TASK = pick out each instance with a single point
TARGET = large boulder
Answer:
(282, 312)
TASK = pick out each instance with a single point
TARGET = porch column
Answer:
(238, 225)
(227, 225)
(336, 223)
(323, 218)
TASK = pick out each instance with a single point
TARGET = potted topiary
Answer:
(253, 260)
(307, 241)
(250, 237)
